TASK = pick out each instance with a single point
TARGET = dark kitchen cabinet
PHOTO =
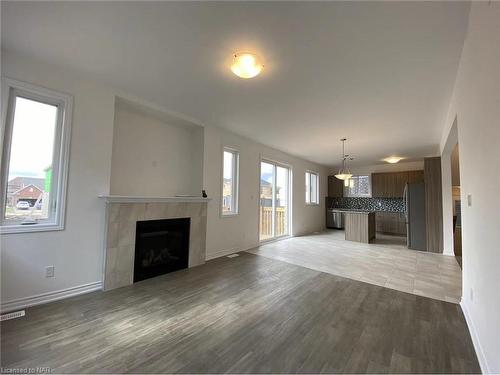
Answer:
(415, 176)
(400, 181)
(391, 222)
(335, 187)
(433, 204)
(392, 184)
(385, 222)
(389, 185)
(378, 185)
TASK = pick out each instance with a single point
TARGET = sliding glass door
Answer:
(274, 200)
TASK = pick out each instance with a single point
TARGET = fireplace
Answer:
(161, 246)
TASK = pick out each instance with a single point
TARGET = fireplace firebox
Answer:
(161, 246)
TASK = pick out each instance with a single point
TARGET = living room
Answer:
(123, 114)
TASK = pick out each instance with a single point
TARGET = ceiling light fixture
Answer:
(246, 65)
(344, 173)
(393, 159)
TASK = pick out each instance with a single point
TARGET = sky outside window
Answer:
(32, 138)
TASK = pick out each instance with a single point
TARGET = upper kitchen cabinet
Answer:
(392, 185)
(388, 185)
(378, 185)
(335, 187)
(401, 179)
(415, 176)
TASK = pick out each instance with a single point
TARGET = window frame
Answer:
(11, 89)
(310, 202)
(236, 183)
(347, 189)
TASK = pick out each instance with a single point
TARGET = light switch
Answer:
(469, 200)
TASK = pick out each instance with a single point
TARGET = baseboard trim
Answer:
(475, 339)
(225, 252)
(42, 298)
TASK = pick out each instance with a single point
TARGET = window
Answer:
(312, 188)
(230, 182)
(34, 158)
(359, 186)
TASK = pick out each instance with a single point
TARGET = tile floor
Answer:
(387, 263)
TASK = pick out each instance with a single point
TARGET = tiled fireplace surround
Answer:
(122, 213)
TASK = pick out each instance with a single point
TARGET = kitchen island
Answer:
(359, 225)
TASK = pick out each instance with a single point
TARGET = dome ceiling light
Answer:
(393, 159)
(246, 65)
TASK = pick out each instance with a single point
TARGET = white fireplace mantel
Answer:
(145, 199)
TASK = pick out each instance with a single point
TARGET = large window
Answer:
(358, 186)
(312, 188)
(230, 182)
(35, 146)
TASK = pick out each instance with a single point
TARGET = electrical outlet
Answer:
(469, 200)
(49, 271)
(471, 294)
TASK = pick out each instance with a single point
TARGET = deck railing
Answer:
(266, 222)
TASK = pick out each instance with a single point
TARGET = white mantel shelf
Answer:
(142, 199)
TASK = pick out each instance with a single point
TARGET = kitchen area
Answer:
(385, 229)
(402, 205)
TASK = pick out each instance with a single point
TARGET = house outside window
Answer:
(359, 186)
(230, 177)
(312, 188)
(35, 150)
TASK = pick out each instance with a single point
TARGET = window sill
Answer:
(13, 229)
(228, 215)
(312, 204)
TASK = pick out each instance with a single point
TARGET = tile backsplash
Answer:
(371, 204)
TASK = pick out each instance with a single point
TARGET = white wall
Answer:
(154, 158)
(446, 185)
(76, 252)
(229, 234)
(476, 106)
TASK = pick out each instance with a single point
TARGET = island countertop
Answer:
(351, 211)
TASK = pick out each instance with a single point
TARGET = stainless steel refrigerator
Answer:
(414, 200)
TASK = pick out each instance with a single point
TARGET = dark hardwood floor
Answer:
(245, 314)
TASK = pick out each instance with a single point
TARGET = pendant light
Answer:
(344, 173)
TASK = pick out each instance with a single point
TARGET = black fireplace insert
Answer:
(161, 246)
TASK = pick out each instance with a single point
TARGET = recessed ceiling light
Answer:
(393, 159)
(246, 65)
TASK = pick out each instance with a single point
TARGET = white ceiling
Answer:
(380, 74)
